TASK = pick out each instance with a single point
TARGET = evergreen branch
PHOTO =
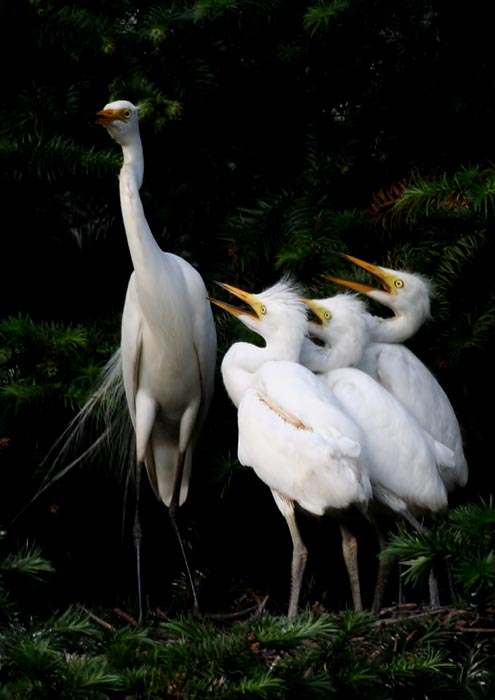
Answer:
(27, 562)
(280, 633)
(417, 551)
(465, 194)
(321, 16)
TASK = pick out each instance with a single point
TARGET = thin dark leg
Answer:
(432, 579)
(172, 513)
(137, 533)
(383, 571)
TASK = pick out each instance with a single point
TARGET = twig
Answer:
(97, 619)
(125, 616)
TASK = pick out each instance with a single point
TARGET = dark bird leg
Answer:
(172, 513)
(432, 579)
(383, 571)
(137, 533)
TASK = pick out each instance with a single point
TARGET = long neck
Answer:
(134, 157)
(396, 329)
(142, 245)
(242, 361)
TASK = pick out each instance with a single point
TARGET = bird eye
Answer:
(399, 284)
(327, 316)
(262, 310)
(127, 114)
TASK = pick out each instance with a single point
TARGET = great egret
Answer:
(292, 431)
(168, 343)
(397, 368)
(404, 460)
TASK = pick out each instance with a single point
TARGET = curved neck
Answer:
(242, 361)
(239, 366)
(396, 329)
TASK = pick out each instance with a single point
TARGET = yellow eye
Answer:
(399, 284)
(262, 310)
(127, 114)
(327, 315)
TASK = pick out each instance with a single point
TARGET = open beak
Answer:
(249, 299)
(317, 311)
(386, 278)
(108, 116)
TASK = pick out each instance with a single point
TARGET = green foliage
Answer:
(76, 654)
(27, 563)
(319, 17)
(274, 138)
(38, 362)
(470, 191)
(467, 539)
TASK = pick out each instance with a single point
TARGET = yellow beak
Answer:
(387, 279)
(317, 310)
(246, 297)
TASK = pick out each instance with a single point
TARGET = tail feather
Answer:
(104, 421)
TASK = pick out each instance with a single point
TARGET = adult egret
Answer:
(404, 460)
(292, 431)
(397, 368)
(168, 342)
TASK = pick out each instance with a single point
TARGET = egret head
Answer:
(406, 294)
(272, 313)
(341, 325)
(337, 316)
(121, 120)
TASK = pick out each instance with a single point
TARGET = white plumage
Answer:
(404, 460)
(398, 369)
(292, 431)
(168, 343)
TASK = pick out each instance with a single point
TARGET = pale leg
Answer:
(349, 549)
(299, 551)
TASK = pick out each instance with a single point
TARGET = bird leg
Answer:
(383, 571)
(299, 551)
(454, 595)
(137, 534)
(349, 550)
(172, 514)
(432, 579)
(434, 592)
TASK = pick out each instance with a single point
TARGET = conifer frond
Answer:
(280, 633)
(319, 17)
(72, 622)
(417, 551)
(211, 9)
(85, 674)
(465, 194)
(427, 661)
(27, 562)
(475, 520)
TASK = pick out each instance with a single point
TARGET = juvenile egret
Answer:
(168, 341)
(398, 369)
(292, 431)
(404, 460)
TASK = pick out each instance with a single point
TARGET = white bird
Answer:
(404, 460)
(292, 432)
(168, 342)
(398, 369)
